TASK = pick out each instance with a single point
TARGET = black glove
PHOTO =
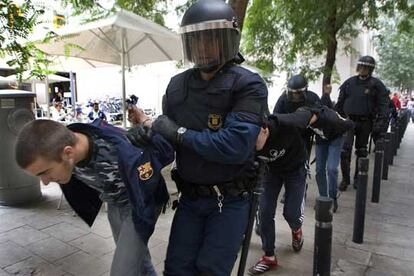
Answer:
(379, 127)
(167, 128)
(140, 136)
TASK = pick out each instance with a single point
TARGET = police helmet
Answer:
(366, 61)
(210, 34)
(296, 89)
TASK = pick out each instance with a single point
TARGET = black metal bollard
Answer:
(376, 180)
(392, 138)
(395, 130)
(323, 237)
(360, 201)
(387, 148)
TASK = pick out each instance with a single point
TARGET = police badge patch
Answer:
(145, 171)
(214, 121)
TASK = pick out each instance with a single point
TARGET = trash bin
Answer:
(16, 186)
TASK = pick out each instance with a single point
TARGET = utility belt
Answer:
(360, 118)
(235, 188)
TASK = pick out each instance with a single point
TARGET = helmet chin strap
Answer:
(363, 77)
(209, 68)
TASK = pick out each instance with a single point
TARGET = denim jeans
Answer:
(294, 182)
(203, 240)
(132, 256)
(327, 159)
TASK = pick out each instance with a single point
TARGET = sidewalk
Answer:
(41, 240)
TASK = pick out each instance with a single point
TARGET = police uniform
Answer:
(222, 119)
(364, 101)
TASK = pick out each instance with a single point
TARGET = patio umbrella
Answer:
(123, 38)
(51, 78)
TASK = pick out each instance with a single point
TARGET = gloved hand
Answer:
(140, 136)
(379, 128)
(167, 128)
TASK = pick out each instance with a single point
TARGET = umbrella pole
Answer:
(123, 79)
(47, 96)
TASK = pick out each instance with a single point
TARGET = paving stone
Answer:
(65, 231)
(94, 245)
(8, 222)
(41, 220)
(158, 253)
(11, 253)
(83, 264)
(392, 266)
(51, 249)
(346, 268)
(25, 235)
(102, 228)
(34, 266)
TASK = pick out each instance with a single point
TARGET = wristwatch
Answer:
(180, 133)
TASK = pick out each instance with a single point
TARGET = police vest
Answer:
(197, 104)
(360, 96)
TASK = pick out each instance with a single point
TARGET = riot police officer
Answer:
(363, 98)
(212, 114)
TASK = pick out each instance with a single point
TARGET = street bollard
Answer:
(395, 141)
(376, 180)
(392, 137)
(323, 237)
(360, 201)
(386, 157)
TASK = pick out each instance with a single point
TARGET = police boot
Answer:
(346, 172)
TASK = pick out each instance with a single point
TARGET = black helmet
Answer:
(296, 88)
(210, 34)
(366, 61)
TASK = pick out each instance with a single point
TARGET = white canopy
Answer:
(123, 38)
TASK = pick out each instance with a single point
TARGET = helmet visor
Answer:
(210, 47)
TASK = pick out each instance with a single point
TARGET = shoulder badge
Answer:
(145, 171)
(214, 121)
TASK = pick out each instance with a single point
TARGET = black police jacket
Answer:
(368, 98)
(207, 107)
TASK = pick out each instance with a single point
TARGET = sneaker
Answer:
(343, 186)
(263, 265)
(297, 240)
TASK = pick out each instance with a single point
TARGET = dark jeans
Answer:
(361, 132)
(327, 162)
(294, 182)
(203, 240)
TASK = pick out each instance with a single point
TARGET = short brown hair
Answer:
(42, 138)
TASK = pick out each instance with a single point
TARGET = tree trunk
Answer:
(239, 7)
(330, 60)
(331, 48)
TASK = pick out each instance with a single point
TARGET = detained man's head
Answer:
(46, 149)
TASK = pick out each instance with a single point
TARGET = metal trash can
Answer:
(16, 186)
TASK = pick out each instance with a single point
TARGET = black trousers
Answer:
(361, 133)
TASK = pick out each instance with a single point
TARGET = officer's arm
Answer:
(280, 105)
(341, 98)
(301, 118)
(234, 143)
(382, 99)
(326, 100)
